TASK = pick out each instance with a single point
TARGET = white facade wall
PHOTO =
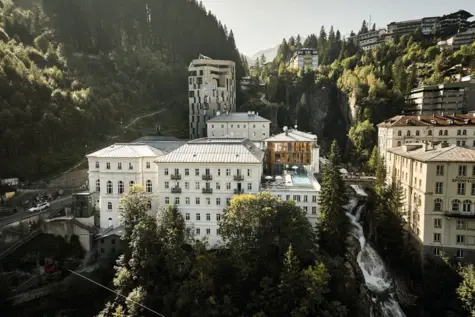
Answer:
(140, 173)
(397, 136)
(212, 205)
(307, 199)
(254, 131)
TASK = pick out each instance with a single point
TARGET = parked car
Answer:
(40, 207)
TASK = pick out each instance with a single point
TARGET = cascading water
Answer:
(376, 277)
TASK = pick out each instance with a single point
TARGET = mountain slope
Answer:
(269, 53)
(72, 71)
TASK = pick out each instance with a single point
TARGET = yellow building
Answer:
(439, 186)
(305, 58)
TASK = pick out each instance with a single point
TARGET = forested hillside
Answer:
(365, 87)
(73, 70)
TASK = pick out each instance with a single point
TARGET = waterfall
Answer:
(376, 276)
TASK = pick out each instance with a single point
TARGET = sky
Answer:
(262, 24)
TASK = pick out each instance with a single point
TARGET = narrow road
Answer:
(54, 205)
(142, 117)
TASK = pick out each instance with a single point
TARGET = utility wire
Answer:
(110, 290)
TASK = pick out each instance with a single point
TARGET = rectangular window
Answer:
(219, 172)
(436, 251)
(131, 167)
(119, 166)
(228, 172)
(187, 185)
(197, 200)
(108, 165)
(248, 172)
(198, 231)
(198, 216)
(218, 186)
(147, 164)
(461, 188)
(460, 254)
(305, 208)
(473, 189)
(461, 224)
(249, 186)
(208, 217)
(462, 170)
(218, 217)
(177, 200)
(228, 186)
(473, 171)
(314, 199)
(439, 188)
(167, 200)
(208, 200)
(208, 232)
(187, 216)
(437, 223)
(197, 185)
(187, 200)
(305, 198)
(436, 237)
(287, 197)
(314, 210)
(218, 201)
(460, 239)
(197, 172)
(218, 231)
(227, 201)
(166, 172)
(167, 185)
(187, 172)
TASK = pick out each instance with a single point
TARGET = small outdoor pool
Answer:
(300, 179)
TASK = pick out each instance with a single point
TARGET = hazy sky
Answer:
(261, 24)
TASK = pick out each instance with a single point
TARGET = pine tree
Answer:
(332, 227)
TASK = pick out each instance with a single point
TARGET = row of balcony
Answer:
(177, 190)
(206, 177)
(460, 214)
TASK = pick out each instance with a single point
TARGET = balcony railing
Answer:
(207, 190)
(206, 177)
(175, 176)
(238, 178)
(238, 191)
(176, 190)
(460, 214)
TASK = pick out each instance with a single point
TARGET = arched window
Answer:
(408, 132)
(398, 143)
(417, 133)
(455, 205)
(399, 133)
(98, 186)
(109, 187)
(446, 132)
(441, 132)
(438, 204)
(109, 205)
(120, 187)
(459, 132)
(131, 183)
(464, 132)
(429, 133)
(148, 186)
(467, 206)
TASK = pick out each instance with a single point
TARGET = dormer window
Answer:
(450, 121)
(433, 121)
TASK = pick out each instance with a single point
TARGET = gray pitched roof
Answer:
(450, 153)
(238, 117)
(128, 150)
(292, 136)
(215, 150)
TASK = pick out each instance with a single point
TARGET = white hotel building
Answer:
(200, 177)
(458, 129)
(439, 186)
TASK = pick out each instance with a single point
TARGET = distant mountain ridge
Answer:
(269, 53)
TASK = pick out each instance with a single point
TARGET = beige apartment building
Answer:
(212, 88)
(458, 129)
(439, 186)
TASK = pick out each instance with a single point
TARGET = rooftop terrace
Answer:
(290, 181)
